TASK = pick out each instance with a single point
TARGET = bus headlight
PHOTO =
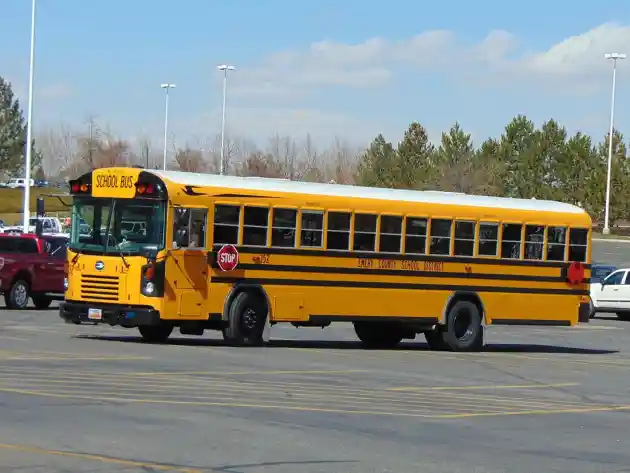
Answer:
(65, 284)
(149, 288)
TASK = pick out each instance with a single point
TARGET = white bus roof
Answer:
(338, 190)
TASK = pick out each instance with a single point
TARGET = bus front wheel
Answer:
(155, 333)
(246, 320)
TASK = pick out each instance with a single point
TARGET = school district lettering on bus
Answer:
(238, 253)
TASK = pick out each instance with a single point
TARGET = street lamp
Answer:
(225, 68)
(29, 127)
(614, 57)
(167, 87)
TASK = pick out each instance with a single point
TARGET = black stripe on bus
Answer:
(398, 272)
(393, 285)
(398, 256)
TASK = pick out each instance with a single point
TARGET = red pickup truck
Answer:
(32, 267)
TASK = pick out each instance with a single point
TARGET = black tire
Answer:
(463, 331)
(18, 295)
(246, 320)
(591, 310)
(435, 340)
(378, 335)
(155, 333)
(625, 316)
(42, 302)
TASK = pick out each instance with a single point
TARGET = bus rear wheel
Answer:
(246, 320)
(155, 333)
(378, 335)
(464, 330)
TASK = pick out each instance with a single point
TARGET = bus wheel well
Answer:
(252, 289)
(464, 296)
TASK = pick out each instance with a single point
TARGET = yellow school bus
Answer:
(200, 252)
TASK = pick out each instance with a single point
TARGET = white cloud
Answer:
(574, 63)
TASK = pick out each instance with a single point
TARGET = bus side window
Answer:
(578, 242)
(390, 234)
(283, 228)
(226, 224)
(338, 234)
(464, 238)
(556, 243)
(181, 228)
(534, 241)
(511, 241)
(416, 235)
(440, 236)
(312, 232)
(198, 218)
(255, 226)
(364, 232)
(488, 239)
(190, 228)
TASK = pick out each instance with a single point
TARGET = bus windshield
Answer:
(114, 226)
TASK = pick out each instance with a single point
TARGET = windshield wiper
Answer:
(76, 257)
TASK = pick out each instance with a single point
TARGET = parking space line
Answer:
(486, 387)
(149, 466)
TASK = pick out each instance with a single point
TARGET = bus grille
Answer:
(99, 288)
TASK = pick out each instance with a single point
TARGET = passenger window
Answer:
(390, 234)
(511, 241)
(416, 235)
(312, 232)
(488, 239)
(190, 228)
(255, 226)
(440, 237)
(338, 234)
(556, 243)
(364, 232)
(464, 239)
(614, 278)
(283, 228)
(226, 223)
(578, 241)
(534, 241)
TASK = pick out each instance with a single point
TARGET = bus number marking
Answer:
(112, 181)
(261, 259)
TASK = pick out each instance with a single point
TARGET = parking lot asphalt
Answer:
(84, 398)
(616, 253)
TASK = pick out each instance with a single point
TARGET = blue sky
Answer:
(350, 69)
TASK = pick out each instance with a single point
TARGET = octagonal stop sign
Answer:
(227, 258)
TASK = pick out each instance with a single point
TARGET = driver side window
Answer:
(615, 278)
(189, 228)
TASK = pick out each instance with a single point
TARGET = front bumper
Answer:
(111, 314)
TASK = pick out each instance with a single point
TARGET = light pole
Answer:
(225, 68)
(167, 87)
(614, 57)
(29, 128)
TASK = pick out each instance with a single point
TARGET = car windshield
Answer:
(114, 226)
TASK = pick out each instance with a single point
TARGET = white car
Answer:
(612, 293)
